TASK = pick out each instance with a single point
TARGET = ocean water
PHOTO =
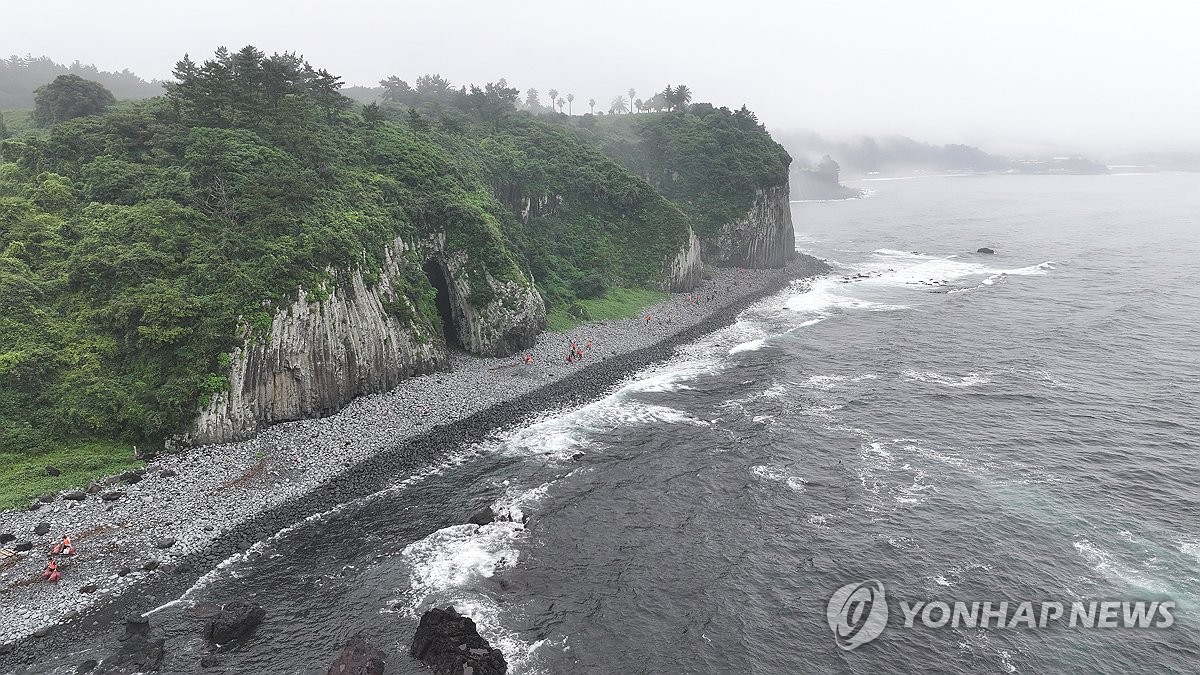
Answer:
(958, 426)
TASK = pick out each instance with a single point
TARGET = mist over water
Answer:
(1020, 426)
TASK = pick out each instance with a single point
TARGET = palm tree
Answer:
(618, 105)
(570, 100)
(561, 103)
(683, 96)
(592, 105)
(553, 98)
(639, 105)
(632, 92)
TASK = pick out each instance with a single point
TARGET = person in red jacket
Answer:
(51, 573)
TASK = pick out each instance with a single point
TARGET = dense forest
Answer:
(20, 76)
(137, 246)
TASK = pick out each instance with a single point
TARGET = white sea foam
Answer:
(778, 474)
(1103, 562)
(968, 380)
(751, 346)
(826, 295)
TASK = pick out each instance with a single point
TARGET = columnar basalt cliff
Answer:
(682, 272)
(764, 237)
(320, 355)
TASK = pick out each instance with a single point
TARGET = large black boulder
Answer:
(358, 658)
(236, 619)
(984, 250)
(448, 643)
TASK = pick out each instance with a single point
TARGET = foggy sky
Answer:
(1097, 75)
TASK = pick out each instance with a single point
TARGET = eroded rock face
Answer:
(682, 272)
(508, 323)
(450, 645)
(319, 356)
(763, 238)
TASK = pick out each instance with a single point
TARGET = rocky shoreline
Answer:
(187, 513)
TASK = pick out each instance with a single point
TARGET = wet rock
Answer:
(86, 667)
(183, 568)
(22, 546)
(483, 516)
(41, 632)
(150, 565)
(6, 537)
(577, 456)
(51, 471)
(209, 661)
(358, 658)
(123, 571)
(138, 655)
(984, 250)
(41, 528)
(165, 542)
(236, 619)
(112, 496)
(90, 588)
(450, 645)
(136, 626)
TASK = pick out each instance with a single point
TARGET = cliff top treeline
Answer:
(138, 246)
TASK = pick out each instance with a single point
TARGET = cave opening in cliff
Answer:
(437, 279)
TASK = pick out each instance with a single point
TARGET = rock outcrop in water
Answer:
(449, 644)
(358, 658)
(235, 619)
(762, 238)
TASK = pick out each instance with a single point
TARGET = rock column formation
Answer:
(762, 238)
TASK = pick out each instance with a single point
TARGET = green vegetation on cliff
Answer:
(709, 161)
(136, 245)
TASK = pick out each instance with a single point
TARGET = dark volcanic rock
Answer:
(112, 496)
(86, 667)
(136, 626)
(483, 516)
(123, 571)
(22, 546)
(984, 250)
(131, 477)
(7, 537)
(46, 498)
(94, 487)
(75, 495)
(51, 471)
(167, 473)
(359, 658)
(90, 588)
(150, 565)
(165, 542)
(138, 655)
(209, 661)
(41, 528)
(237, 618)
(449, 643)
